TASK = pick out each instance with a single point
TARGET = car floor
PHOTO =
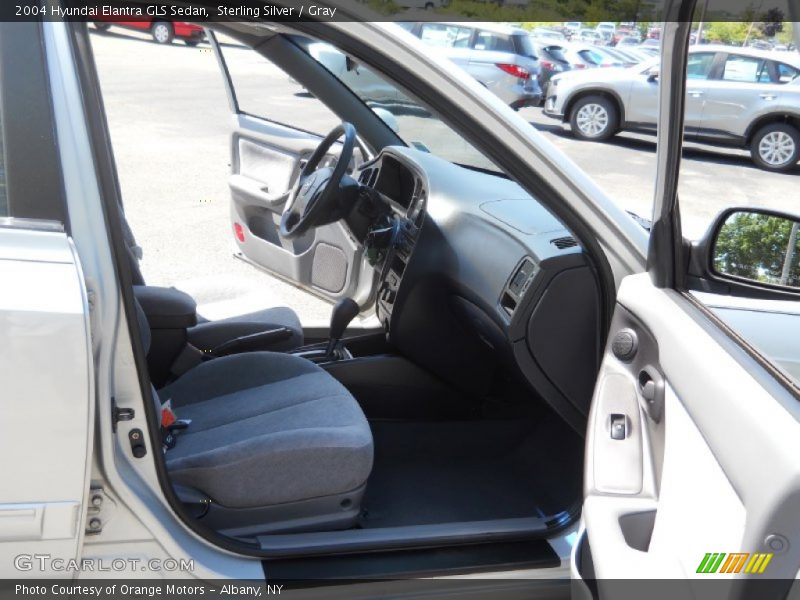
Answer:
(428, 472)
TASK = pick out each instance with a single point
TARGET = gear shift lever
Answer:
(345, 311)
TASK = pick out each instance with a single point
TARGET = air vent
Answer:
(364, 177)
(518, 285)
(563, 243)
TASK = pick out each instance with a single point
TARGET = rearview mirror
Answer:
(759, 247)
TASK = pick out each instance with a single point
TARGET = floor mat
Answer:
(436, 472)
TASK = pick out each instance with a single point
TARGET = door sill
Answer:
(409, 537)
(405, 564)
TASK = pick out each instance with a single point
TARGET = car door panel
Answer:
(43, 313)
(694, 107)
(719, 469)
(266, 160)
(642, 108)
(643, 105)
(731, 107)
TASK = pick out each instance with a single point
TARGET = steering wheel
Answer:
(316, 194)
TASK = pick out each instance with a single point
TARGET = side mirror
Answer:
(652, 74)
(350, 64)
(750, 250)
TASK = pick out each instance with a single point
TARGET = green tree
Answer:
(754, 246)
(726, 32)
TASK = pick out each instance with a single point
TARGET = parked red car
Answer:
(163, 32)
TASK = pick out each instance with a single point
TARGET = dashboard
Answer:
(476, 276)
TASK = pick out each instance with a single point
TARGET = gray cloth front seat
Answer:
(274, 441)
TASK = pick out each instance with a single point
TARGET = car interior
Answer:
(460, 419)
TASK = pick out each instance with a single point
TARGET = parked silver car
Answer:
(502, 58)
(735, 96)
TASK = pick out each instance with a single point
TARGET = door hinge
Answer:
(94, 508)
(120, 414)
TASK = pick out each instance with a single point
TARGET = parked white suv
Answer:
(500, 57)
(735, 96)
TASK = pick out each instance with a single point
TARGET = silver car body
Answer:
(479, 49)
(716, 109)
(481, 60)
(480, 63)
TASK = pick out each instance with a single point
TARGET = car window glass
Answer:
(486, 40)
(745, 69)
(413, 122)
(756, 169)
(286, 103)
(557, 53)
(524, 45)
(786, 73)
(591, 57)
(445, 36)
(699, 65)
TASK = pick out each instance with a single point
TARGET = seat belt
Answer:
(188, 358)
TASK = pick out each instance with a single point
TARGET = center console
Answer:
(391, 240)
(394, 268)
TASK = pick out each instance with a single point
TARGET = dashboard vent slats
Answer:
(563, 243)
(517, 285)
(364, 177)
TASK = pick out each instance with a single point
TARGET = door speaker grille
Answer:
(329, 268)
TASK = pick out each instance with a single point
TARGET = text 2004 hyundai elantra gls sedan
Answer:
(544, 395)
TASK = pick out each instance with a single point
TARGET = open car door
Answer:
(692, 469)
(266, 159)
(46, 360)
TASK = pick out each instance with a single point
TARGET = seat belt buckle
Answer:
(179, 425)
(168, 439)
(169, 433)
(170, 425)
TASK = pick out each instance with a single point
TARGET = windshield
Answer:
(409, 118)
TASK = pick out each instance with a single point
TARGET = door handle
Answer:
(695, 93)
(768, 96)
(257, 190)
(651, 388)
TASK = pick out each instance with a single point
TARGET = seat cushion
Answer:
(210, 334)
(267, 429)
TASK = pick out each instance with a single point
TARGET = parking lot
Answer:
(170, 125)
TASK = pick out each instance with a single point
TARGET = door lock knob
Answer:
(625, 345)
